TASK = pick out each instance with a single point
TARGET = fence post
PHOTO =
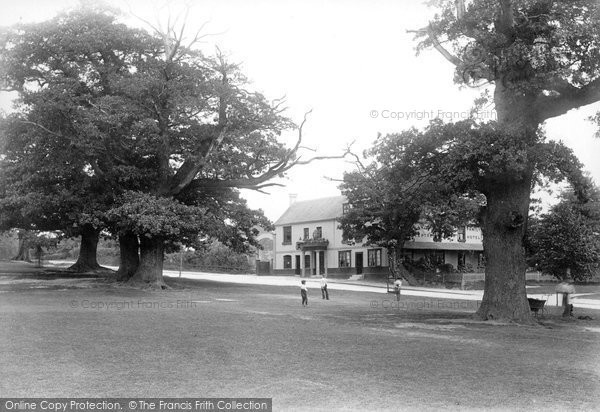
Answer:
(180, 261)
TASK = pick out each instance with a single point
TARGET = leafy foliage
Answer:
(54, 160)
(533, 46)
(405, 182)
(440, 174)
(542, 59)
(122, 128)
(566, 238)
(213, 256)
(154, 216)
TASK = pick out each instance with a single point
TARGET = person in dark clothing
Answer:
(324, 291)
(304, 293)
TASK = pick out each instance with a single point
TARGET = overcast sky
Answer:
(352, 62)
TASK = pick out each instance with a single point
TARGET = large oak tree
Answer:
(542, 58)
(59, 172)
(150, 120)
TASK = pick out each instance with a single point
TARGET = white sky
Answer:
(343, 59)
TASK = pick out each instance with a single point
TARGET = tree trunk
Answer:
(23, 253)
(87, 260)
(150, 270)
(567, 307)
(504, 223)
(504, 219)
(129, 249)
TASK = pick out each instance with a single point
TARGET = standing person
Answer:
(397, 287)
(304, 293)
(324, 292)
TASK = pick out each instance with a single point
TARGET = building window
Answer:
(374, 257)
(305, 233)
(345, 208)
(462, 234)
(318, 233)
(287, 235)
(287, 262)
(344, 259)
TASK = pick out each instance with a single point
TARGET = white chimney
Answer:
(293, 198)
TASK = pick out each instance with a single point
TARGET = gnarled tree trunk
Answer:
(87, 260)
(504, 223)
(130, 260)
(504, 219)
(149, 271)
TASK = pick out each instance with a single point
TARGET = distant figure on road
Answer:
(304, 293)
(324, 292)
(397, 287)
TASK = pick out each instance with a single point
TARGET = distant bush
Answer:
(446, 268)
(466, 268)
(215, 257)
(425, 264)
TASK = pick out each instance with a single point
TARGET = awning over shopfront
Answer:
(443, 246)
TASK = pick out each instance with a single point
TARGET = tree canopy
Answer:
(127, 124)
(543, 56)
(565, 241)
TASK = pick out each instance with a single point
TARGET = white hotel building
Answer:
(307, 241)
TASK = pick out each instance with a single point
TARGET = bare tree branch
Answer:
(284, 165)
(152, 26)
(333, 179)
(41, 127)
(191, 167)
(357, 160)
(460, 9)
(438, 46)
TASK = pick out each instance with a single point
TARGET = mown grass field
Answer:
(84, 337)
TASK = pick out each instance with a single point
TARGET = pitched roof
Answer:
(325, 208)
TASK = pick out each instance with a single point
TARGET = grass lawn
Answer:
(85, 337)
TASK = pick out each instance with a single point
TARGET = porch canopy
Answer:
(443, 246)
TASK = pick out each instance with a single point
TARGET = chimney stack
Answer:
(293, 197)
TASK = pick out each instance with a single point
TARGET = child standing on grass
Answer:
(324, 292)
(397, 288)
(304, 293)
